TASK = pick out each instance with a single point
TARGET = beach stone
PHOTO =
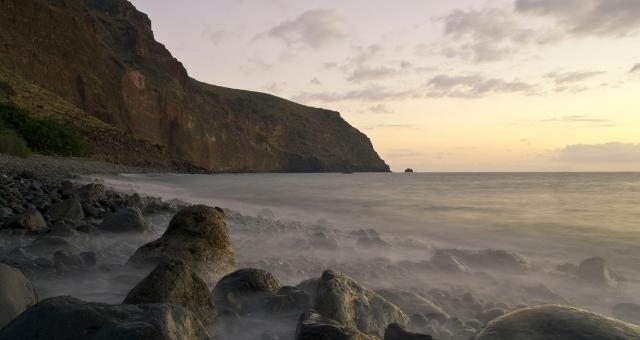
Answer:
(351, 304)
(313, 326)
(174, 283)
(411, 303)
(397, 332)
(245, 291)
(557, 322)
(596, 270)
(197, 235)
(16, 294)
(629, 312)
(125, 220)
(92, 192)
(31, 220)
(67, 318)
(69, 209)
(446, 262)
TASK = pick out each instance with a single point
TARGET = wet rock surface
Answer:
(16, 294)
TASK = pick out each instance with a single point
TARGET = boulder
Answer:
(65, 261)
(125, 220)
(92, 192)
(198, 236)
(245, 291)
(47, 245)
(174, 283)
(446, 262)
(288, 301)
(596, 270)
(313, 326)
(30, 220)
(69, 209)
(629, 312)
(412, 303)
(397, 332)
(495, 259)
(67, 318)
(351, 304)
(557, 322)
(16, 294)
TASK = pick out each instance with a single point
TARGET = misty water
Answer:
(382, 229)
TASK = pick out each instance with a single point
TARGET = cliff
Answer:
(101, 57)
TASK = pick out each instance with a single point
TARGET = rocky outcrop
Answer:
(245, 291)
(313, 326)
(67, 210)
(596, 270)
(67, 318)
(196, 235)
(16, 294)
(30, 220)
(174, 283)
(349, 303)
(556, 322)
(101, 57)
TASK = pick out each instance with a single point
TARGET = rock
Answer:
(47, 245)
(174, 283)
(322, 241)
(69, 209)
(125, 220)
(353, 305)
(491, 259)
(62, 229)
(67, 189)
(372, 242)
(16, 294)
(90, 210)
(92, 192)
(245, 291)
(288, 300)
(31, 220)
(596, 271)
(65, 261)
(67, 318)
(135, 201)
(629, 312)
(412, 303)
(313, 326)
(397, 332)
(310, 287)
(196, 235)
(557, 322)
(443, 261)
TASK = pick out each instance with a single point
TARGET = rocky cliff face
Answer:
(101, 56)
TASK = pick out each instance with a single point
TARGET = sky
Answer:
(458, 85)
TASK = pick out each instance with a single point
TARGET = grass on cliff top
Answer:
(43, 135)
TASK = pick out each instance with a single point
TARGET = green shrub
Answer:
(43, 135)
(12, 144)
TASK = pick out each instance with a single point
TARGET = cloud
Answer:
(572, 77)
(380, 108)
(364, 73)
(330, 65)
(316, 28)
(635, 68)
(315, 81)
(577, 119)
(215, 36)
(609, 152)
(587, 17)
(370, 93)
(474, 86)
(392, 126)
(275, 87)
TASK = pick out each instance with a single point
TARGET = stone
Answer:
(596, 270)
(92, 192)
(125, 220)
(197, 235)
(397, 332)
(67, 318)
(443, 261)
(174, 283)
(288, 300)
(313, 326)
(245, 291)
(47, 245)
(351, 304)
(65, 261)
(557, 322)
(30, 220)
(69, 209)
(16, 294)
(495, 259)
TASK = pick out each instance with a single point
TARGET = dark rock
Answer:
(397, 332)
(174, 283)
(67, 189)
(491, 259)
(629, 312)
(557, 322)
(31, 220)
(92, 192)
(310, 287)
(444, 261)
(135, 201)
(313, 326)
(67, 318)
(125, 220)
(62, 229)
(66, 262)
(245, 291)
(16, 294)
(288, 300)
(69, 209)
(596, 270)
(90, 210)
(48, 244)
(196, 235)
(353, 305)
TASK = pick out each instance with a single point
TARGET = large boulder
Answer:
(69, 209)
(313, 326)
(196, 235)
(556, 322)
(67, 318)
(397, 332)
(16, 294)
(351, 304)
(30, 220)
(412, 303)
(629, 312)
(125, 220)
(596, 270)
(174, 283)
(245, 291)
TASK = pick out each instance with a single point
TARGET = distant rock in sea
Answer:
(408, 170)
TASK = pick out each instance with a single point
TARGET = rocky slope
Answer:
(101, 57)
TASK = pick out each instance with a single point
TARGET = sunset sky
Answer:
(460, 85)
